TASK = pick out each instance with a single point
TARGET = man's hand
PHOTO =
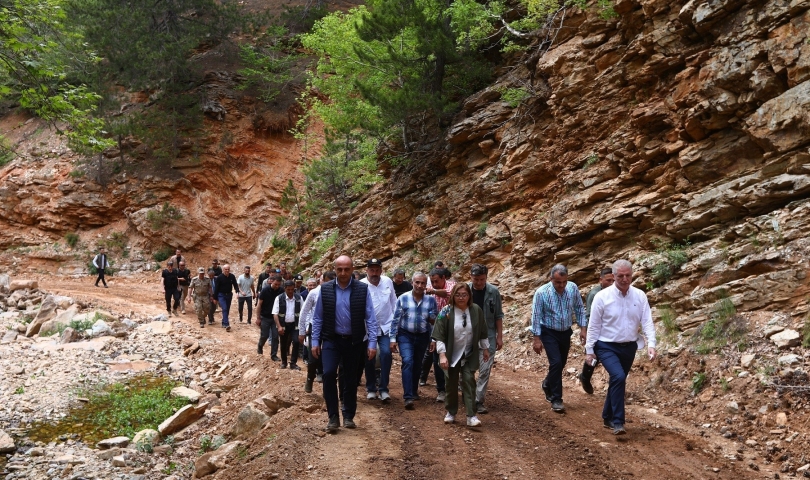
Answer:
(393, 347)
(315, 351)
(486, 354)
(537, 345)
(583, 335)
(652, 353)
(432, 347)
(443, 363)
(590, 358)
(372, 353)
(280, 330)
(499, 342)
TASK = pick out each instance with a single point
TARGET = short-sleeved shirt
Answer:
(169, 280)
(245, 284)
(184, 277)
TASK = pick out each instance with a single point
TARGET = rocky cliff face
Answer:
(678, 122)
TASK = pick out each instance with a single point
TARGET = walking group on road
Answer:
(344, 324)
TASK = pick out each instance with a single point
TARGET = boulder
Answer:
(747, 360)
(156, 327)
(9, 336)
(46, 312)
(6, 443)
(63, 318)
(101, 328)
(108, 443)
(781, 419)
(787, 339)
(274, 404)
(783, 123)
(63, 302)
(249, 421)
(145, 437)
(69, 335)
(15, 285)
(119, 461)
(182, 418)
(732, 407)
(193, 396)
(790, 359)
(772, 330)
(109, 454)
(213, 461)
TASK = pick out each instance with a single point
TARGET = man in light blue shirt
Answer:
(344, 328)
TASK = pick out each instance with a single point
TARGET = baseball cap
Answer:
(201, 270)
(374, 262)
(299, 277)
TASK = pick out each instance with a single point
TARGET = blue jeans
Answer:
(557, 344)
(340, 352)
(412, 348)
(617, 358)
(225, 305)
(384, 349)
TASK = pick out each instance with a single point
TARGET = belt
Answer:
(338, 337)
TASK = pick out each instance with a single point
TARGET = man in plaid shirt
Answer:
(554, 306)
(410, 331)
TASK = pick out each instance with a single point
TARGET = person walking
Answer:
(268, 270)
(267, 324)
(101, 264)
(225, 286)
(177, 258)
(203, 295)
(461, 335)
(384, 298)
(605, 280)
(488, 298)
(247, 290)
(414, 315)
(287, 312)
(613, 337)
(213, 307)
(170, 290)
(439, 287)
(183, 281)
(553, 307)
(400, 284)
(314, 365)
(216, 267)
(343, 314)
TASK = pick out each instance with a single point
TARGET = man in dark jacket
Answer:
(225, 286)
(101, 264)
(170, 291)
(267, 297)
(286, 312)
(343, 316)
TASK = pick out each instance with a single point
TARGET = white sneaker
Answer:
(450, 418)
(473, 421)
(441, 396)
(371, 396)
(385, 398)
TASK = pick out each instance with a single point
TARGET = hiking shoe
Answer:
(294, 367)
(210, 323)
(441, 396)
(619, 430)
(319, 378)
(449, 418)
(333, 425)
(202, 325)
(308, 386)
(480, 408)
(348, 423)
(183, 312)
(557, 406)
(228, 328)
(174, 312)
(371, 396)
(422, 383)
(607, 423)
(385, 398)
(473, 421)
(546, 390)
(259, 351)
(409, 404)
(283, 365)
(275, 358)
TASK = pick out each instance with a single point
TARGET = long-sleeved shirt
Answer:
(100, 261)
(616, 317)
(343, 317)
(589, 300)
(412, 316)
(308, 309)
(462, 337)
(385, 301)
(556, 310)
(226, 285)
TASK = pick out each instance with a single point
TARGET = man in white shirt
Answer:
(613, 337)
(287, 312)
(101, 264)
(247, 290)
(384, 298)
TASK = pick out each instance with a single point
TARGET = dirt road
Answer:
(520, 438)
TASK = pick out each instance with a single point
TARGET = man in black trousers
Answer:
(101, 264)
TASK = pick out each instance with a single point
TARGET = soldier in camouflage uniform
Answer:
(201, 291)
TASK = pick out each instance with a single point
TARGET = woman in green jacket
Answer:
(460, 332)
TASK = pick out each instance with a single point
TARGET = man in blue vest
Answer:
(343, 317)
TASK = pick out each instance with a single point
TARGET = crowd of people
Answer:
(343, 324)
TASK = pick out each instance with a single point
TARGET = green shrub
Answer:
(513, 96)
(724, 328)
(481, 231)
(72, 239)
(282, 244)
(320, 247)
(592, 160)
(116, 242)
(81, 325)
(672, 256)
(698, 382)
(163, 254)
(724, 385)
(162, 217)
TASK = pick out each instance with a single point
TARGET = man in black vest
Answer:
(343, 316)
(101, 264)
(286, 311)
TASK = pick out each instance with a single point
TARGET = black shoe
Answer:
(409, 404)
(259, 351)
(557, 406)
(585, 378)
(619, 430)
(308, 386)
(333, 425)
(294, 367)
(348, 423)
(275, 358)
(607, 423)
(547, 391)
(283, 365)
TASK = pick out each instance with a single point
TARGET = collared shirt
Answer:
(554, 310)
(412, 316)
(616, 317)
(308, 309)
(343, 315)
(245, 283)
(589, 300)
(290, 301)
(462, 337)
(385, 301)
(441, 302)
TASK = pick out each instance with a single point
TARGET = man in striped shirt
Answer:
(554, 307)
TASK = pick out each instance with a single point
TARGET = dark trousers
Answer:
(172, 295)
(314, 366)
(211, 310)
(101, 277)
(432, 358)
(225, 305)
(557, 344)
(290, 337)
(269, 330)
(617, 358)
(242, 302)
(335, 353)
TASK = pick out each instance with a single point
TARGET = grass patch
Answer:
(163, 254)
(116, 409)
(672, 256)
(72, 239)
(724, 385)
(481, 231)
(320, 247)
(513, 96)
(667, 316)
(592, 160)
(19, 390)
(163, 216)
(724, 328)
(698, 382)
(209, 443)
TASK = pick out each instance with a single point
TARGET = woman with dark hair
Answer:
(460, 331)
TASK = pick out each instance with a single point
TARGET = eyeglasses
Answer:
(464, 319)
(461, 295)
